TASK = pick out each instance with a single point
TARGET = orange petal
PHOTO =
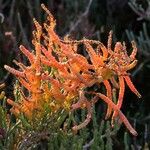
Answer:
(121, 95)
(109, 94)
(14, 71)
(134, 52)
(131, 86)
(27, 53)
(121, 115)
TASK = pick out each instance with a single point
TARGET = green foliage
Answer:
(141, 8)
(54, 132)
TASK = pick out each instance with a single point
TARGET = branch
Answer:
(73, 27)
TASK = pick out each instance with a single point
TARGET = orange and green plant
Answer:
(58, 76)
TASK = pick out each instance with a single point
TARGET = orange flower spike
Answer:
(22, 66)
(36, 41)
(53, 81)
(50, 17)
(37, 62)
(121, 91)
(38, 33)
(55, 88)
(130, 66)
(109, 95)
(25, 84)
(53, 37)
(76, 68)
(28, 54)
(52, 62)
(108, 89)
(29, 74)
(104, 51)
(48, 54)
(65, 50)
(74, 58)
(47, 93)
(36, 85)
(88, 81)
(79, 78)
(120, 62)
(134, 52)
(56, 93)
(121, 115)
(127, 124)
(109, 43)
(27, 108)
(96, 60)
(81, 62)
(14, 71)
(46, 42)
(121, 95)
(131, 86)
(118, 49)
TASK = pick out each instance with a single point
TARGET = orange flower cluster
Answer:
(58, 75)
